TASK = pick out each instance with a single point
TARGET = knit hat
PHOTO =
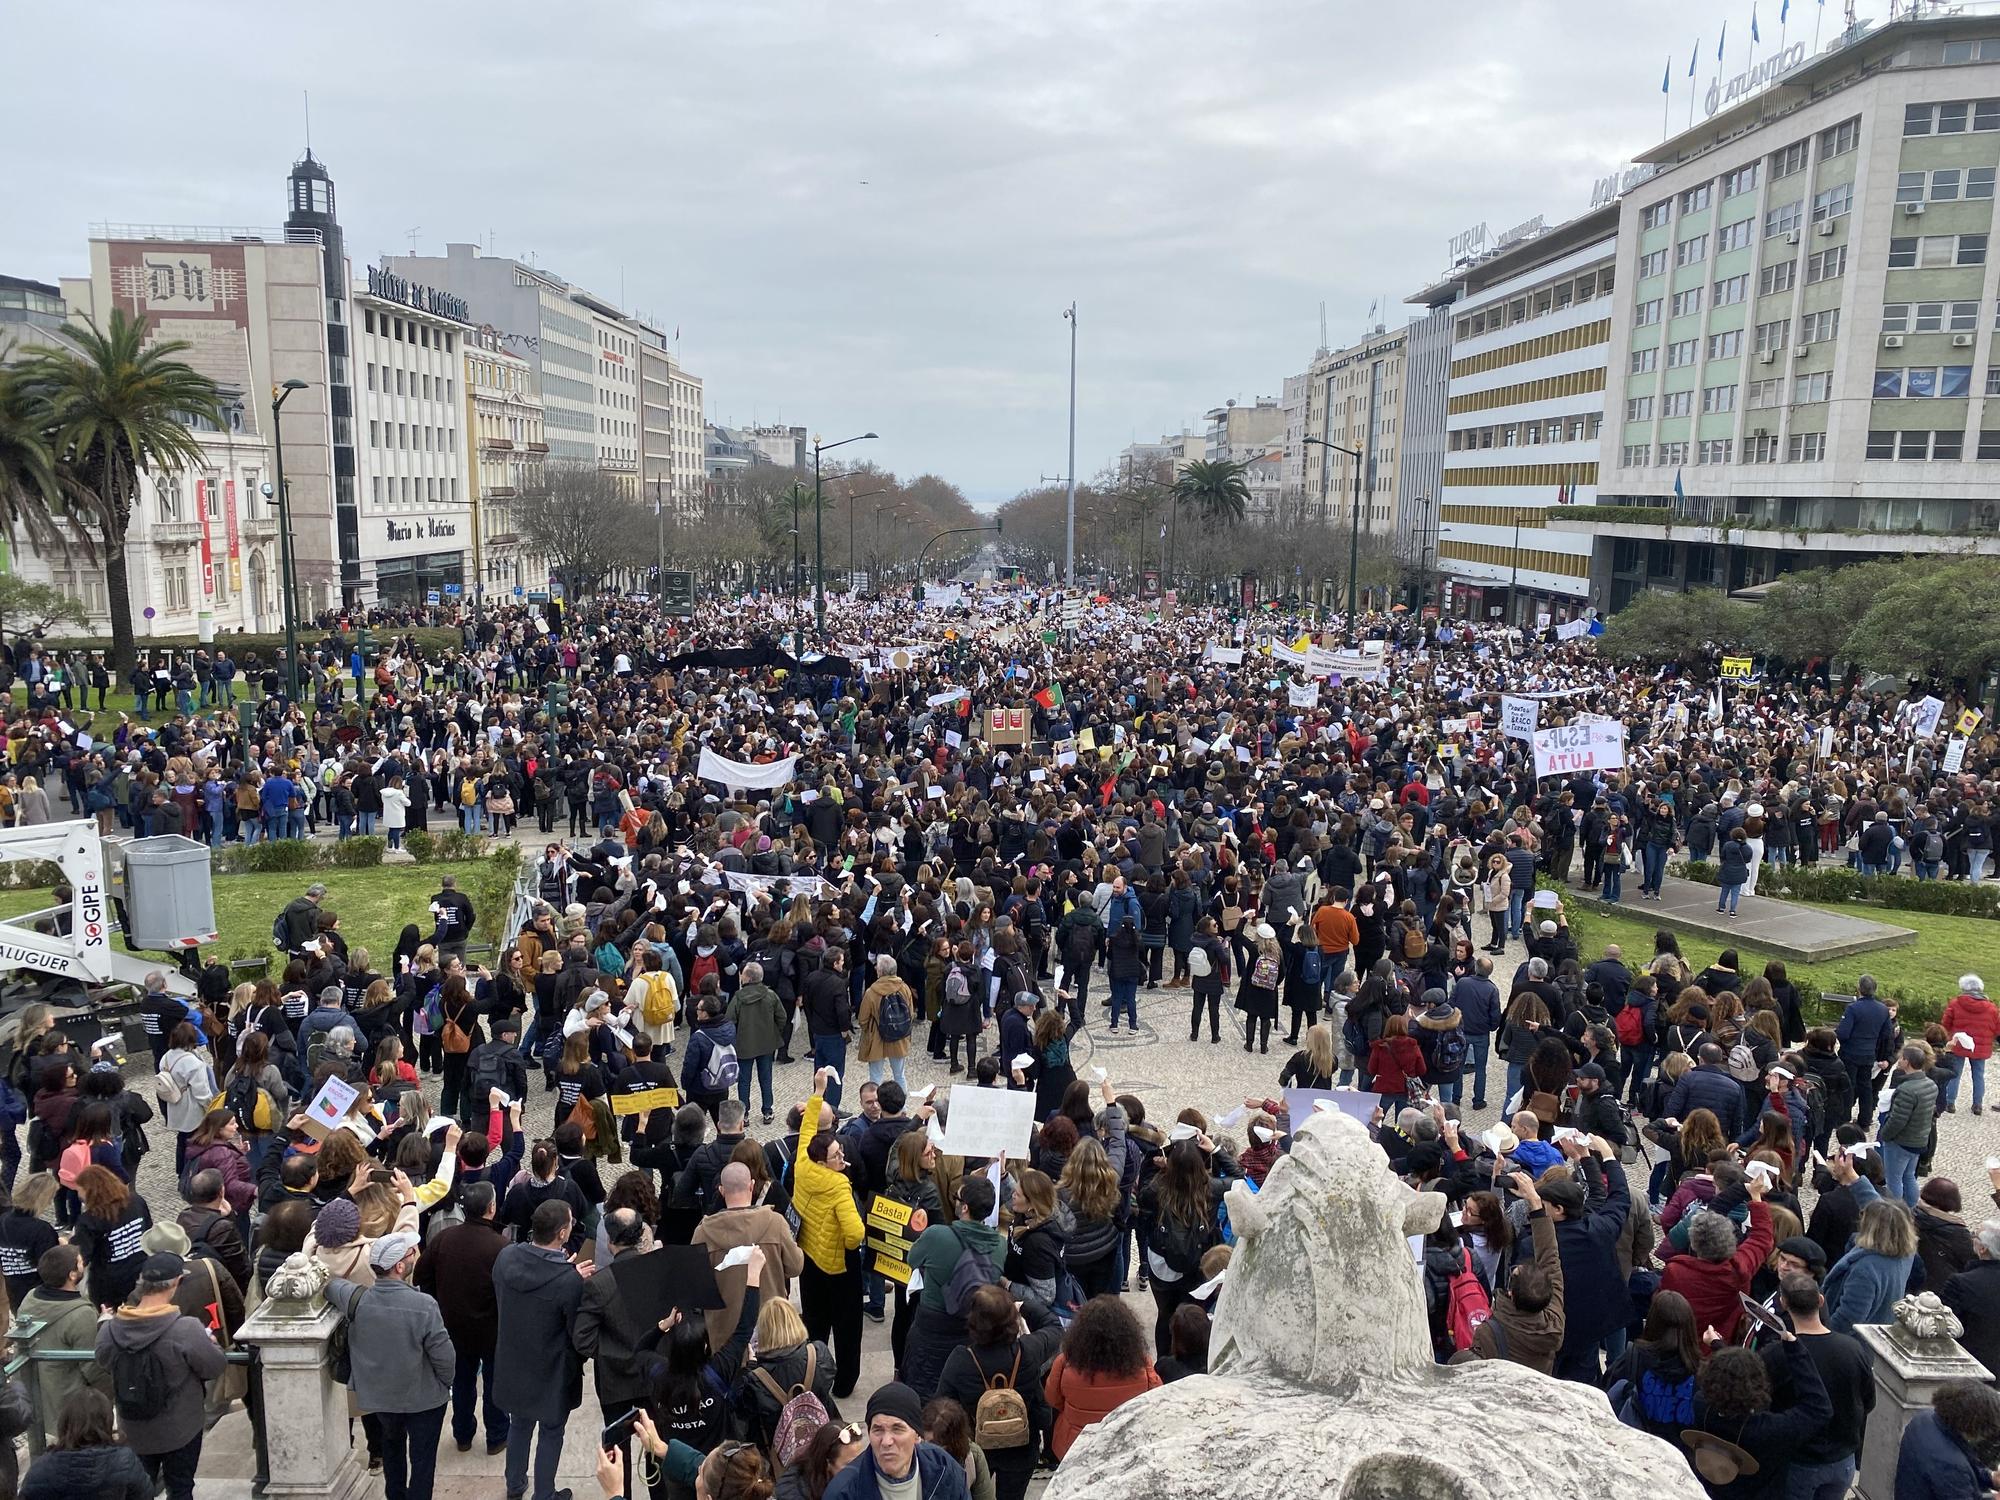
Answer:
(899, 1401)
(339, 1223)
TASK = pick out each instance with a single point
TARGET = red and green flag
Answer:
(1051, 697)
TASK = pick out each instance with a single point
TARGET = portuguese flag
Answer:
(1051, 697)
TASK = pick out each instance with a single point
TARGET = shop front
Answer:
(413, 580)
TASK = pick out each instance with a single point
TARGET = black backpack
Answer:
(969, 1273)
(139, 1382)
(892, 1019)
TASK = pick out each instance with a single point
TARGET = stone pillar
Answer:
(306, 1438)
(1913, 1357)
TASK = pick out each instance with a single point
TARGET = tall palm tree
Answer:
(118, 404)
(1214, 490)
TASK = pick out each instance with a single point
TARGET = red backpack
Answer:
(704, 965)
(1468, 1306)
(1630, 1024)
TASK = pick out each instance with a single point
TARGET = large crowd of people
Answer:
(758, 873)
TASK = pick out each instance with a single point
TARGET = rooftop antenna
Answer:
(413, 233)
(309, 120)
(1322, 326)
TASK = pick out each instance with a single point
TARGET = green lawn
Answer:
(373, 904)
(1925, 974)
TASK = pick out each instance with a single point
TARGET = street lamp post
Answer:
(288, 584)
(1354, 536)
(1069, 512)
(819, 536)
(953, 531)
(864, 495)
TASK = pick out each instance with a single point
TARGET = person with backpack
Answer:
(1208, 976)
(217, 1145)
(211, 1225)
(686, 1383)
(787, 1374)
(711, 1069)
(159, 1360)
(1178, 1223)
(885, 1018)
(400, 1362)
(993, 1376)
(955, 1260)
(1651, 1384)
(497, 1064)
(959, 1015)
(452, 912)
(831, 1234)
(1440, 1033)
(759, 1018)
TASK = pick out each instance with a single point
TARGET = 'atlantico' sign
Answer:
(1777, 65)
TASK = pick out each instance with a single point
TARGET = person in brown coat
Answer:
(740, 1222)
(1528, 1319)
(885, 1055)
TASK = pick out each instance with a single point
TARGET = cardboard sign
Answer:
(332, 1109)
(1008, 726)
(890, 1236)
(1519, 716)
(1594, 745)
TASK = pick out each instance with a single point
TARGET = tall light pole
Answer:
(1354, 537)
(864, 495)
(819, 536)
(288, 585)
(1069, 522)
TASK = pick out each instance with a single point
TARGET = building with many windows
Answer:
(416, 498)
(1353, 397)
(1522, 412)
(1802, 341)
(201, 552)
(673, 459)
(504, 418)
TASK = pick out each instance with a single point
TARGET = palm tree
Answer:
(118, 404)
(32, 481)
(1214, 490)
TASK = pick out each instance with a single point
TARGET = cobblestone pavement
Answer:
(1159, 1064)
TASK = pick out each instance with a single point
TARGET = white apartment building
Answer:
(1801, 350)
(504, 413)
(413, 466)
(1524, 409)
(673, 432)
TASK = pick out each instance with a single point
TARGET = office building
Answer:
(1421, 449)
(1353, 397)
(1530, 333)
(673, 460)
(415, 538)
(504, 413)
(1801, 342)
(28, 307)
(1239, 432)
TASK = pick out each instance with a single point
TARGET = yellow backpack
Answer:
(662, 1004)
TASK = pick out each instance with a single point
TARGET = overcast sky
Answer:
(870, 214)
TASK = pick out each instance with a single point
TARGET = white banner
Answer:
(1349, 666)
(1596, 745)
(1306, 696)
(807, 885)
(1924, 722)
(1282, 651)
(1519, 716)
(1229, 656)
(736, 773)
(1569, 630)
(943, 595)
(949, 695)
(1825, 741)
(985, 1122)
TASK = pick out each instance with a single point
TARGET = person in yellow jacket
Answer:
(830, 1233)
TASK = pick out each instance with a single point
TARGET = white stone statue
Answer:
(1324, 1383)
(1924, 1316)
(300, 1281)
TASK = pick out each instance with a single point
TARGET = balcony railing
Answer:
(497, 444)
(536, 447)
(1801, 513)
(176, 531)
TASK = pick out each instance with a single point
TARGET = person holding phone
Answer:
(686, 1386)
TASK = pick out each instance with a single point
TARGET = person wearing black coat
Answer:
(86, 1458)
(1709, 1086)
(456, 1268)
(538, 1379)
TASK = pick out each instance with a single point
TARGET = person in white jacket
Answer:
(185, 1085)
(395, 811)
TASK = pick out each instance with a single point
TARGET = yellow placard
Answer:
(646, 1101)
(1969, 720)
(1087, 740)
(890, 1237)
(1736, 666)
(896, 1270)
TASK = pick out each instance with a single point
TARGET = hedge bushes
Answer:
(362, 852)
(1838, 884)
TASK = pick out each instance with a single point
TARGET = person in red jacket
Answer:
(1973, 1021)
(1396, 1061)
(1103, 1364)
(1716, 1269)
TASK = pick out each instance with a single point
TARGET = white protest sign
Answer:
(1306, 696)
(1519, 716)
(1954, 755)
(1825, 741)
(1570, 630)
(1229, 656)
(1924, 722)
(1590, 746)
(949, 695)
(1280, 651)
(985, 1122)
